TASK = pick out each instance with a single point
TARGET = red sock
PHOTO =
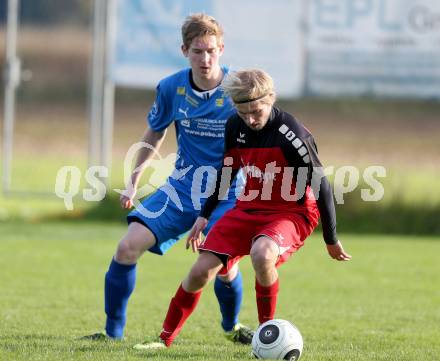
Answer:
(266, 300)
(181, 306)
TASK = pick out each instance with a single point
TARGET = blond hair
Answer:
(248, 85)
(200, 24)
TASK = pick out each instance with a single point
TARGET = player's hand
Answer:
(337, 252)
(195, 235)
(126, 198)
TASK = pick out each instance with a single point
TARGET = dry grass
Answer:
(56, 58)
(403, 140)
(52, 113)
(393, 133)
(54, 104)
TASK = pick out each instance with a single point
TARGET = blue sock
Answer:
(119, 284)
(229, 295)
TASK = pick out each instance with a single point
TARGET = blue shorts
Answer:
(168, 220)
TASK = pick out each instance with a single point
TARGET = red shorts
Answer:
(234, 233)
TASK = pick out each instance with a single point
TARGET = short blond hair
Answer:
(200, 24)
(248, 85)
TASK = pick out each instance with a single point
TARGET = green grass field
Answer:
(383, 305)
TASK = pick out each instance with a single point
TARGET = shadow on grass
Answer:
(33, 342)
(40, 344)
(30, 337)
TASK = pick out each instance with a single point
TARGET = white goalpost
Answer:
(12, 75)
(101, 90)
(102, 87)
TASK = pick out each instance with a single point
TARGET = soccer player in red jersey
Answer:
(286, 192)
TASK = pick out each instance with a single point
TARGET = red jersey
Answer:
(279, 162)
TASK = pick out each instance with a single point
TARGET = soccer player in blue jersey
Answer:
(192, 101)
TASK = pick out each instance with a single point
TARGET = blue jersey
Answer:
(199, 122)
(200, 129)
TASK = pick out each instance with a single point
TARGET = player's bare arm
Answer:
(154, 139)
(195, 235)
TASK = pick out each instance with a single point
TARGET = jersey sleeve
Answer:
(160, 114)
(323, 192)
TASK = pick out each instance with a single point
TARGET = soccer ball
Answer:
(277, 340)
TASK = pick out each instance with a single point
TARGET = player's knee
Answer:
(127, 253)
(137, 240)
(263, 255)
(199, 275)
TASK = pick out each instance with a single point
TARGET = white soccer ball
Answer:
(277, 340)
